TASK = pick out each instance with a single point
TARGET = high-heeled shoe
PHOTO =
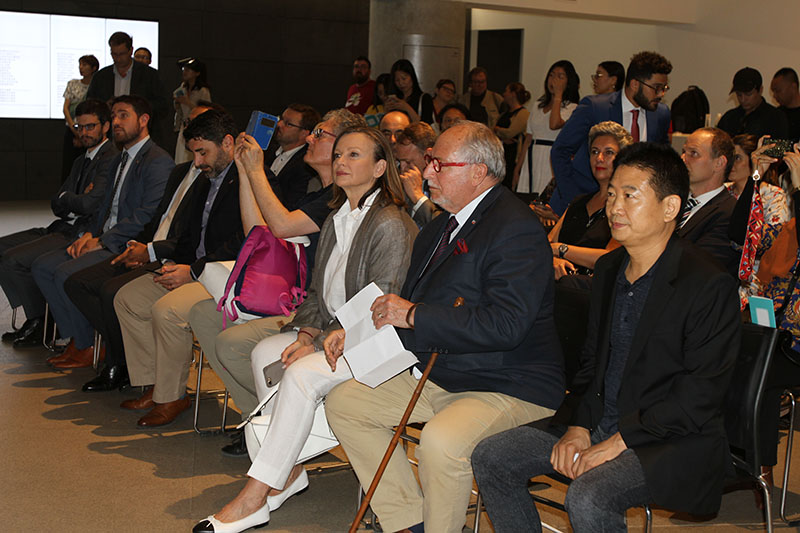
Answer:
(300, 483)
(256, 520)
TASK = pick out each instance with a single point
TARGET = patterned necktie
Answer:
(635, 125)
(123, 161)
(452, 224)
(755, 225)
(691, 203)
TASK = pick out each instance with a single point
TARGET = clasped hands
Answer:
(83, 245)
(574, 454)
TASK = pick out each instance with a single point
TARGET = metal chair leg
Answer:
(648, 519)
(765, 489)
(14, 325)
(98, 340)
(478, 504)
(197, 398)
(788, 460)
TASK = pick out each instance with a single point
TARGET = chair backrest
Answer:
(571, 314)
(743, 400)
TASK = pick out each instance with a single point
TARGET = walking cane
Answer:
(396, 437)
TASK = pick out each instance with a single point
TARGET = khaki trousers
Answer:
(362, 419)
(156, 334)
(228, 351)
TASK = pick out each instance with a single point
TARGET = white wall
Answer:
(724, 38)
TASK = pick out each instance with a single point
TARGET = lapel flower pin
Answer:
(461, 247)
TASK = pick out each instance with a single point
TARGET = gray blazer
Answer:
(381, 252)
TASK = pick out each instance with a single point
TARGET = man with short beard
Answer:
(288, 174)
(153, 310)
(362, 92)
(637, 106)
(135, 184)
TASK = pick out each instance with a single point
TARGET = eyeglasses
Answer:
(438, 165)
(298, 126)
(86, 127)
(658, 88)
(319, 132)
(609, 153)
(597, 75)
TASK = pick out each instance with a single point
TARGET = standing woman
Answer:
(608, 77)
(559, 100)
(192, 89)
(445, 95)
(406, 94)
(74, 94)
(510, 126)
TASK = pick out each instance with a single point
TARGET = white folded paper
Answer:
(373, 355)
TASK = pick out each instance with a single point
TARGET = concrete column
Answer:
(429, 33)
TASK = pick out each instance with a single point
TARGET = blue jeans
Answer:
(596, 501)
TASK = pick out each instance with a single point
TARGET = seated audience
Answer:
(392, 123)
(382, 86)
(773, 198)
(753, 114)
(445, 95)
(74, 204)
(289, 175)
(367, 239)
(153, 309)
(643, 421)
(362, 91)
(74, 94)
(413, 144)
(608, 77)
(484, 106)
(451, 114)
(228, 349)
(785, 91)
(406, 95)
(708, 154)
(510, 127)
(500, 363)
(136, 181)
(582, 234)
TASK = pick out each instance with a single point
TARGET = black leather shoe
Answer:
(31, 336)
(110, 378)
(29, 325)
(237, 448)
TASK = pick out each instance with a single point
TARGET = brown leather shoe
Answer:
(164, 413)
(81, 359)
(65, 355)
(142, 403)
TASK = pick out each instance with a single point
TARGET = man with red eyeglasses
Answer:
(499, 358)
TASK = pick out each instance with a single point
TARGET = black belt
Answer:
(543, 142)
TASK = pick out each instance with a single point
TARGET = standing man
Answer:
(785, 91)
(143, 55)
(753, 115)
(485, 106)
(708, 154)
(637, 107)
(136, 181)
(126, 76)
(362, 92)
(74, 205)
(643, 420)
(289, 174)
(500, 362)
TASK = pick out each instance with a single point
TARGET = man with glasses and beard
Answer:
(362, 92)
(78, 199)
(637, 107)
(288, 173)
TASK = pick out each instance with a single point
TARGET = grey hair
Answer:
(481, 146)
(612, 129)
(343, 119)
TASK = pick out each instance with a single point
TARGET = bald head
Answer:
(393, 122)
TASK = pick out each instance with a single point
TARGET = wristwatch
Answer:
(562, 250)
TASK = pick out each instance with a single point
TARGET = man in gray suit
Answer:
(78, 199)
(136, 183)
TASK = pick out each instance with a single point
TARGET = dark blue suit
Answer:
(503, 339)
(570, 153)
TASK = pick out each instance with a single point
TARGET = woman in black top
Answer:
(510, 127)
(406, 94)
(582, 234)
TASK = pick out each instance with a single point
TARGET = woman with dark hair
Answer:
(406, 94)
(366, 239)
(192, 89)
(510, 126)
(533, 171)
(608, 77)
(74, 94)
(445, 95)
(773, 198)
(383, 85)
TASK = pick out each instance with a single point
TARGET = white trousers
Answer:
(303, 386)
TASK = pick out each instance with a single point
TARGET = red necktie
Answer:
(635, 125)
(444, 242)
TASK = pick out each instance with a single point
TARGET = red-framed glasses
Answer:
(438, 164)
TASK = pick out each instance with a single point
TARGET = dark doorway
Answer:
(499, 52)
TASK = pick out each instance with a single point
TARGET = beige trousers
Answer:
(228, 351)
(362, 419)
(156, 334)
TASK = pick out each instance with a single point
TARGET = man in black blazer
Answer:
(708, 154)
(126, 76)
(153, 309)
(288, 173)
(500, 363)
(643, 421)
(74, 204)
(136, 181)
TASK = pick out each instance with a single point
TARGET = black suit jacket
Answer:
(291, 183)
(708, 230)
(144, 82)
(673, 387)
(503, 339)
(224, 233)
(73, 201)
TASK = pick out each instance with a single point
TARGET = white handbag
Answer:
(320, 440)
